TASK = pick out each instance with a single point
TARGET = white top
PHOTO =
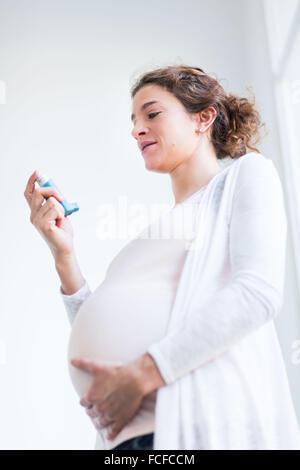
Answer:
(130, 309)
(227, 386)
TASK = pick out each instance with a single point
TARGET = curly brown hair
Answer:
(236, 126)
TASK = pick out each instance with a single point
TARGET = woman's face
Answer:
(167, 123)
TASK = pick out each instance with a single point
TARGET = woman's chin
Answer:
(154, 164)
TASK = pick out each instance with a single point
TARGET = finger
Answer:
(52, 209)
(92, 412)
(85, 402)
(101, 423)
(30, 185)
(113, 430)
(85, 364)
(40, 194)
(36, 200)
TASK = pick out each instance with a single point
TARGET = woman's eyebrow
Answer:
(144, 106)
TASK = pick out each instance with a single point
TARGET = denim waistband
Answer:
(144, 442)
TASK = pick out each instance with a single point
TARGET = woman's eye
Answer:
(152, 114)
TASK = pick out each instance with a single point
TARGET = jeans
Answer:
(144, 442)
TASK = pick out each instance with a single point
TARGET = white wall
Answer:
(68, 67)
(259, 74)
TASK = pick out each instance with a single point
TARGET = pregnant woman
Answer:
(177, 347)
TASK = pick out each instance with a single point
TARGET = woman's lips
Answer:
(147, 147)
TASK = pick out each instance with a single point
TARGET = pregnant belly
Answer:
(116, 325)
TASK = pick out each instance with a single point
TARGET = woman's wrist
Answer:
(147, 373)
(70, 275)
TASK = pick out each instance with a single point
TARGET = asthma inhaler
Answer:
(69, 207)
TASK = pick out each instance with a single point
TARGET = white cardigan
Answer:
(227, 386)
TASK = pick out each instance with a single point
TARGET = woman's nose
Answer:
(136, 132)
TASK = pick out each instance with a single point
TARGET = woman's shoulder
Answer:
(255, 160)
(255, 165)
(257, 175)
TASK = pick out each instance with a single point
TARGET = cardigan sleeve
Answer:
(254, 295)
(74, 301)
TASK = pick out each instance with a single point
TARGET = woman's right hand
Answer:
(49, 218)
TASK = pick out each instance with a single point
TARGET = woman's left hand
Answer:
(114, 396)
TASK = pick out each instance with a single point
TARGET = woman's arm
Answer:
(74, 288)
(70, 275)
